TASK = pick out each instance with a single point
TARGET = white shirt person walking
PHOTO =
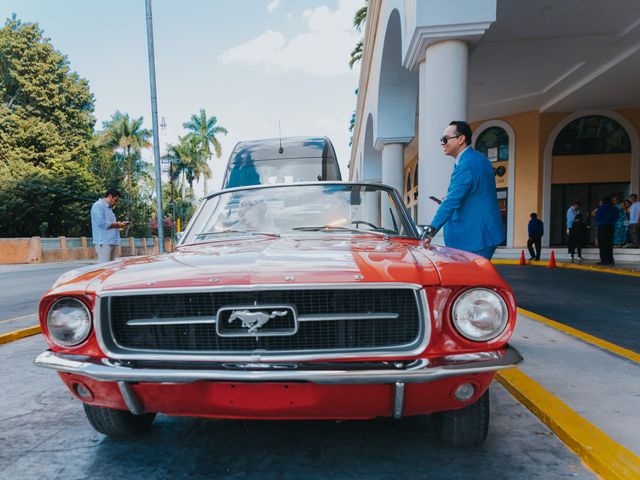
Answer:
(104, 227)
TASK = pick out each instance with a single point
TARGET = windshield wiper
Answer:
(334, 227)
(203, 235)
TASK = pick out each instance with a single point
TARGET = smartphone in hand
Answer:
(436, 199)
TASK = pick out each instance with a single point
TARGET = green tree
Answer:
(358, 21)
(189, 162)
(46, 127)
(205, 131)
(126, 138)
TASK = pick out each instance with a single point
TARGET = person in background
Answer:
(606, 216)
(626, 204)
(620, 235)
(536, 231)
(578, 236)
(634, 226)
(104, 228)
(572, 211)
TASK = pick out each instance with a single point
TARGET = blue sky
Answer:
(249, 62)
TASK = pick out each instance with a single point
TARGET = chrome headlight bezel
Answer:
(80, 332)
(466, 327)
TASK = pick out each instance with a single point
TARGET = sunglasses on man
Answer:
(444, 140)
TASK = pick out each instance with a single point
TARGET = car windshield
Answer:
(274, 211)
(291, 170)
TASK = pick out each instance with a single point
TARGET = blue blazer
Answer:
(470, 213)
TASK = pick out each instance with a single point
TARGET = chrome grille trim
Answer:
(170, 321)
(301, 318)
(412, 349)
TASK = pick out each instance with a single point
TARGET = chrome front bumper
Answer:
(420, 371)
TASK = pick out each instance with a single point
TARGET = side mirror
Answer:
(425, 231)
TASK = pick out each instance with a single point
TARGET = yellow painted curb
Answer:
(598, 342)
(600, 452)
(574, 266)
(18, 334)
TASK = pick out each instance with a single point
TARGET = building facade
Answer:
(550, 89)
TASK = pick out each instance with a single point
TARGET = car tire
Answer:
(117, 423)
(465, 427)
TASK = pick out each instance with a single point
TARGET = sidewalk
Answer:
(627, 259)
(608, 396)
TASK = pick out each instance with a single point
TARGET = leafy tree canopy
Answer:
(46, 127)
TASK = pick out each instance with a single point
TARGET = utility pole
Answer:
(163, 129)
(154, 118)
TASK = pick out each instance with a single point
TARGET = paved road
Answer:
(605, 305)
(21, 287)
(44, 434)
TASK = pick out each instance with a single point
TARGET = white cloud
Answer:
(322, 50)
(289, 16)
(273, 4)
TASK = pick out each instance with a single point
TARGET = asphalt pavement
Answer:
(44, 434)
(604, 305)
(21, 287)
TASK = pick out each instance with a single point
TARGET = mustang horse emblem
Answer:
(252, 321)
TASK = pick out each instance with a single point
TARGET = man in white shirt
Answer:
(572, 211)
(105, 229)
(634, 227)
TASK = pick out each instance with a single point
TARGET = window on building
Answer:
(494, 144)
(592, 135)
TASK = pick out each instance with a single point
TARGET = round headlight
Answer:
(480, 314)
(68, 322)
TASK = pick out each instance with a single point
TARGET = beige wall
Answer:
(29, 250)
(591, 168)
(528, 169)
(532, 131)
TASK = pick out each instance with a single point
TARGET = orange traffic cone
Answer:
(552, 259)
(522, 260)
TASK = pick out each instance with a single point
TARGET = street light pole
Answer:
(154, 119)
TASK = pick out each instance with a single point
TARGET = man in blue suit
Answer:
(469, 213)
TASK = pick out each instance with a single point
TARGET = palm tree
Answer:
(204, 130)
(126, 138)
(360, 17)
(356, 54)
(358, 21)
(189, 162)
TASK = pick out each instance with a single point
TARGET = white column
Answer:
(393, 166)
(443, 98)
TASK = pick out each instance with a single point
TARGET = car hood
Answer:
(283, 260)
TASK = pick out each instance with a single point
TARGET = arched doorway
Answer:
(496, 140)
(590, 158)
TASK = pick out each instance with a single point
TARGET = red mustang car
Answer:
(299, 301)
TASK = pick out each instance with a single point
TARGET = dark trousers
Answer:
(605, 242)
(573, 248)
(537, 242)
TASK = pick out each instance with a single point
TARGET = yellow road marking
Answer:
(604, 455)
(611, 347)
(18, 318)
(574, 266)
(18, 334)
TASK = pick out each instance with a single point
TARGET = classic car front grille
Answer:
(329, 320)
